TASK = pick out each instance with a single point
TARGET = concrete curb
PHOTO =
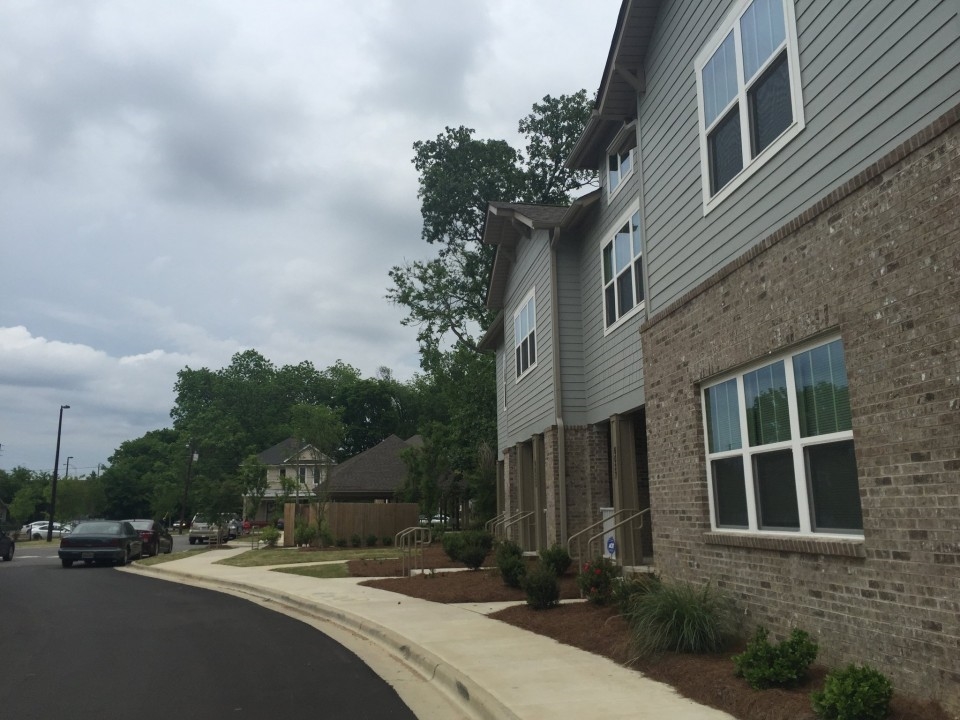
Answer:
(472, 698)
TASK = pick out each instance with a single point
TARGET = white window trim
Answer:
(604, 240)
(750, 165)
(532, 295)
(795, 444)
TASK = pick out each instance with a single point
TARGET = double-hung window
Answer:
(748, 88)
(780, 446)
(622, 260)
(525, 335)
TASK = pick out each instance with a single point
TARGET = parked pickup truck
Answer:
(201, 530)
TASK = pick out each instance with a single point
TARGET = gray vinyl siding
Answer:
(570, 330)
(504, 363)
(612, 362)
(530, 405)
(873, 72)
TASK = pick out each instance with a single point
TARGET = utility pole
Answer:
(56, 467)
(186, 486)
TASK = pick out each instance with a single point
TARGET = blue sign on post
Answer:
(611, 546)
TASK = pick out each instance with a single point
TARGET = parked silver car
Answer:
(202, 530)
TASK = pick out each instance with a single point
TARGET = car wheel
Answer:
(66, 563)
(170, 548)
(36, 536)
(8, 555)
(193, 541)
(126, 557)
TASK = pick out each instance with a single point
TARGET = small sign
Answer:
(611, 546)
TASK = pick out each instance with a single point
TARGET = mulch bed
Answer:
(707, 679)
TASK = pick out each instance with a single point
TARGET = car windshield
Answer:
(97, 528)
(142, 524)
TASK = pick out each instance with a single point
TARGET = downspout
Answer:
(557, 388)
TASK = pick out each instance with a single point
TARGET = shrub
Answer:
(542, 588)
(270, 535)
(556, 558)
(595, 580)
(625, 588)
(473, 556)
(481, 538)
(355, 540)
(304, 533)
(386, 541)
(507, 549)
(679, 618)
(326, 538)
(371, 540)
(853, 693)
(341, 542)
(785, 664)
(452, 545)
(513, 570)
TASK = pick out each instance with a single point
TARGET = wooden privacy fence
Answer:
(344, 520)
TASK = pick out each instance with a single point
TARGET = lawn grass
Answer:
(293, 556)
(327, 570)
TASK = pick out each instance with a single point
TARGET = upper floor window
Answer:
(780, 446)
(622, 259)
(620, 157)
(748, 87)
(525, 334)
(619, 166)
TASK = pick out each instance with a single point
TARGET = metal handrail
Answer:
(489, 524)
(510, 521)
(631, 518)
(410, 542)
(578, 555)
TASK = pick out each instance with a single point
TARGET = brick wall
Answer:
(588, 474)
(879, 261)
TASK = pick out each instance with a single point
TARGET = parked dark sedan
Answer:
(155, 537)
(7, 545)
(102, 541)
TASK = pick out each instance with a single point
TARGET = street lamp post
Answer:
(56, 467)
(66, 473)
(193, 457)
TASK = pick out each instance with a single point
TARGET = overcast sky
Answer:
(183, 180)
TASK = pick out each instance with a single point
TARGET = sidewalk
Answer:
(494, 670)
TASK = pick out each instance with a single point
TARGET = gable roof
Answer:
(623, 78)
(283, 452)
(378, 470)
(508, 223)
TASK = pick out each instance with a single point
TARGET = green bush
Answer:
(556, 558)
(785, 664)
(625, 588)
(341, 542)
(542, 588)
(371, 540)
(513, 570)
(304, 533)
(478, 537)
(326, 538)
(386, 541)
(679, 618)
(853, 693)
(270, 535)
(507, 549)
(355, 540)
(452, 545)
(595, 580)
(473, 556)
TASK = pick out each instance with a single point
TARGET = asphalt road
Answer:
(93, 642)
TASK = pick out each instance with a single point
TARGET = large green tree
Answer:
(445, 296)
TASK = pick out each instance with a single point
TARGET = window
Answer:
(303, 475)
(748, 87)
(622, 259)
(619, 166)
(283, 472)
(780, 446)
(525, 335)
